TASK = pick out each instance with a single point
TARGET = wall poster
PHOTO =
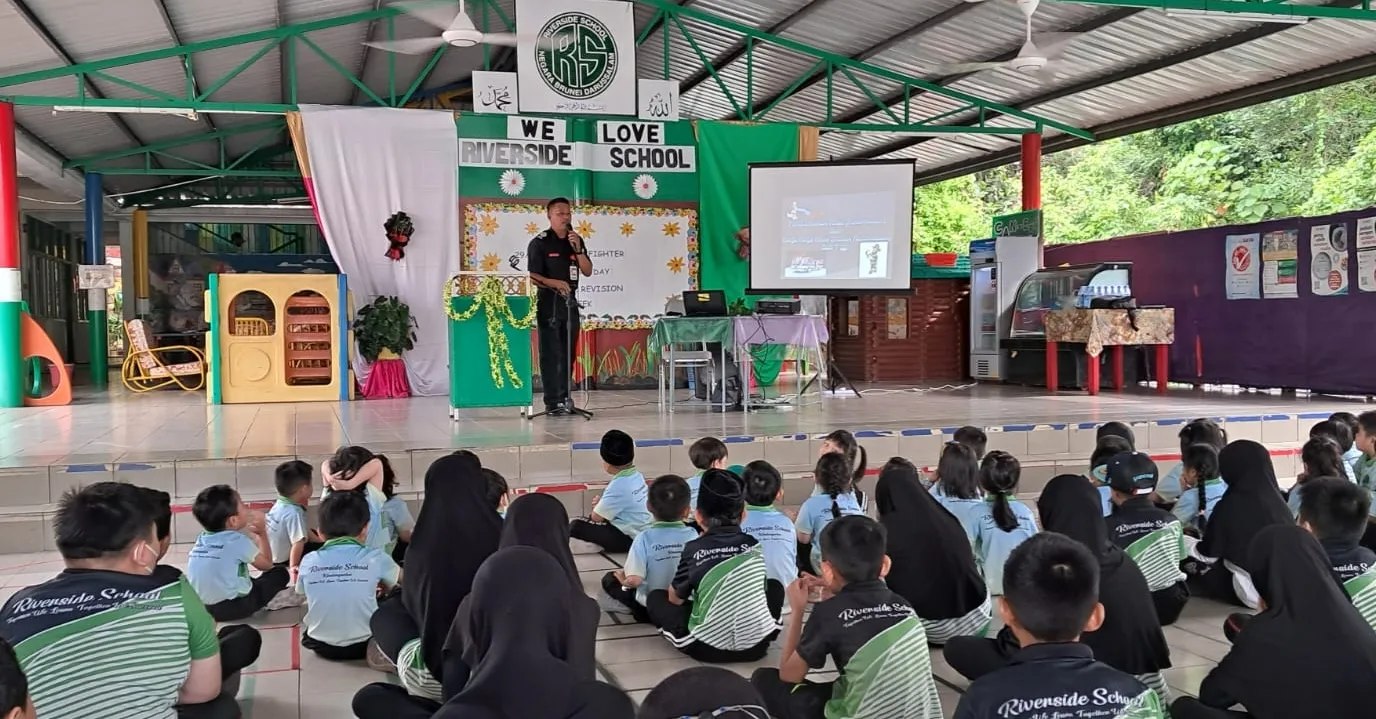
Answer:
(1243, 279)
(1366, 254)
(1328, 260)
(1280, 264)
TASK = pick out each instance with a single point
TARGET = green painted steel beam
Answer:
(194, 172)
(834, 61)
(918, 128)
(265, 126)
(1280, 9)
(185, 105)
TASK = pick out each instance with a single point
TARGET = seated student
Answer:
(621, 513)
(957, 486)
(974, 438)
(1050, 600)
(1109, 447)
(515, 636)
(1308, 653)
(15, 702)
(703, 691)
(1319, 457)
(706, 453)
(933, 564)
(235, 538)
(1252, 503)
(843, 442)
(1151, 536)
(1343, 437)
(340, 581)
(1004, 522)
(720, 606)
(1335, 511)
(1201, 486)
(1129, 638)
(129, 641)
(161, 504)
(1365, 469)
(871, 634)
(770, 527)
(396, 515)
(834, 499)
(1349, 420)
(287, 533)
(1197, 431)
(357, 469)
(498, 492)
(654, 554)
(1116, 429)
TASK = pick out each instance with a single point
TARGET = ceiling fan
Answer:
(450, 17)
(1039, 55)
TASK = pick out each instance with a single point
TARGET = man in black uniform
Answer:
(555, 259)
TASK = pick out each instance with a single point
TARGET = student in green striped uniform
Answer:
(1050, 598)
(1334, 510)
(1151, 536)
(1365, 469)
(128, 641)
(871, 634)
(15, 702)
(720, 606)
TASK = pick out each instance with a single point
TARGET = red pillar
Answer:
(11, 355)
(1032, 171)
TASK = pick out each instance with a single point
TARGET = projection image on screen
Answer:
(826, 226)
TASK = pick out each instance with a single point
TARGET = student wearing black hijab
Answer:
(703, 693)
(515, 637)
(1252, 503)
(932, 563)
(1130, 638)
(540, 521)
(458, 528)
(1307, 654)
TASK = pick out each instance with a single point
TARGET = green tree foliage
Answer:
(1304, 155)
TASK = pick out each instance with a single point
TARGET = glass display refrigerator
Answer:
(997, 267)
(1050, 289)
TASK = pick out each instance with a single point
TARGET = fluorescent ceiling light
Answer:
(1239, 16)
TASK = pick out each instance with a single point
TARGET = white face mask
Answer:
(145, 546)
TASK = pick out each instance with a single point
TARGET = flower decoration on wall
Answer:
(675, 265)
(584, 229)
(491, 261)
(627, 229)
(644, 186)
(671, 229)
(399, 229)
(512, 182)
(487, 224)
(532, 228)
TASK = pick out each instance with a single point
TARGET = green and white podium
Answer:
(490, 322)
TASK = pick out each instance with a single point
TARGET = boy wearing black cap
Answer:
(622, 512)
(1050, 596)
(720, 606)
(1153, 537)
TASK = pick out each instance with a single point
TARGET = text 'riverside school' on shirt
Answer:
(340, 581)
(623, 502)
(707, 551)
(655, 555)
(1061, 680)
(775, 533)
(218, 563)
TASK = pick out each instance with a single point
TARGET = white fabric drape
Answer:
(367, 163)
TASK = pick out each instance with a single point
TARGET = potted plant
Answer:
(384, 331)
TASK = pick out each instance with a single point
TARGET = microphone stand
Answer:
(569, 304)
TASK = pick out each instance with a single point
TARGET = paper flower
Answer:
(584, 229)
(491, 261)
(675, 264)
(532, 228)
(671, 229)
(627, 229)
(645, 186)
(487, 224)
(512, 182)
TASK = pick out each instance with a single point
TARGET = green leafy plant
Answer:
(738, 306)
(384, 324)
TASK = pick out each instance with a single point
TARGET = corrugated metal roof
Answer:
(1128, 66)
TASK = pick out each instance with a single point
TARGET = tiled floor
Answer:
(291, 683)
(179, 426)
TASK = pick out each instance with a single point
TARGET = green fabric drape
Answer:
(725, 152)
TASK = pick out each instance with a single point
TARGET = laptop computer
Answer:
(704, 303)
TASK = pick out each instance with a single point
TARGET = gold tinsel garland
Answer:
(492, 300)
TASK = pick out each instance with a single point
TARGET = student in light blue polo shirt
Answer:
(836, 500)
(1196, 431)
(706, 453)
(235, 539)
(358, 469)
(1006, 522)
(1319, 457)
(770, 527)
(957, 485)
(1201, 485)
(654, 555)
(341, 580)
(288, 534)
(396, 515)
(622, 513)
(1347, 447)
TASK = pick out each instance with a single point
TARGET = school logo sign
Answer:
(581, 60)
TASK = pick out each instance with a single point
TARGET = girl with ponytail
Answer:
(833, 500)
(1006, 522)
(842, 442)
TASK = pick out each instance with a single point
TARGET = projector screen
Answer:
(818, 227)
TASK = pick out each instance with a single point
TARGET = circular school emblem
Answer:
(577, 55)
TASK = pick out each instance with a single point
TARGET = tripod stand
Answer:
(835, 377)
(567, 367)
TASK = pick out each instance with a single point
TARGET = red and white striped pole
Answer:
(11, 354)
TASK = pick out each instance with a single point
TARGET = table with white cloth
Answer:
(805, 332)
